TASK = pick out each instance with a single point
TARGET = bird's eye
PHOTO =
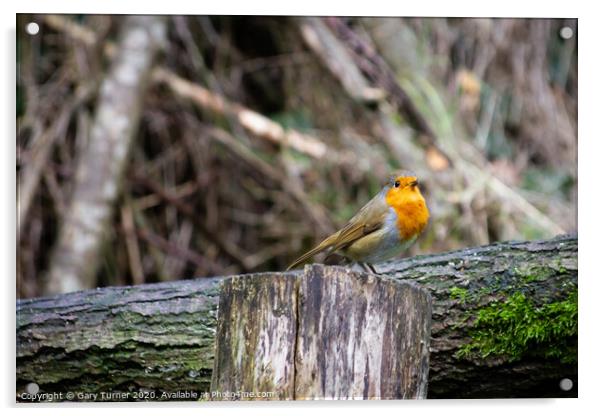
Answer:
(397, 184)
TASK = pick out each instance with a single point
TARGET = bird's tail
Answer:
(324, 245)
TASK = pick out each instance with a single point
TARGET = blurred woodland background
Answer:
(164, 148)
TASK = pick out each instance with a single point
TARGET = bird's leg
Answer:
(368, 267)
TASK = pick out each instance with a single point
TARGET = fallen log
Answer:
(504, 324)
(504, 318)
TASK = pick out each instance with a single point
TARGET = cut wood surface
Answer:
(161, 336)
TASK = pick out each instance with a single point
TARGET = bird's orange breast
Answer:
(412, 212)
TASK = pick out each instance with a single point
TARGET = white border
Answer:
(456, 8)
(590, 152)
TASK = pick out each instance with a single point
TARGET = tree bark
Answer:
(484, 279)
(161, 336)
(100, 166)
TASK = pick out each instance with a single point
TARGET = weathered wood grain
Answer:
(328, 333)
(255, 340)
(361, 336)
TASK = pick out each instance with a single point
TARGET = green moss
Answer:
(467, 297)
(516, 328)
(532, 273)
(459, 293)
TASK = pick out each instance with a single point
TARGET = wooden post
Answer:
(329, 333)
(255, 342)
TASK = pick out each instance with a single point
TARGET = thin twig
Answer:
(171, 248)
(300, 199)
(372, 64)
(226, 247)
(131, 243)
(506, 193)
(40, 153)
(181, 236)
(336, 58)
(256, 123)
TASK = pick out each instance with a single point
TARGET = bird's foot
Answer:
(368, 267)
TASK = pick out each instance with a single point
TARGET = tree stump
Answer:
(329, 333)
(255, 343)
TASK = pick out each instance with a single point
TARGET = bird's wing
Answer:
(369, 219)
(324, 245)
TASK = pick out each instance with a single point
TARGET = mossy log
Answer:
(328, 333)
(504, 325)
(504, 318)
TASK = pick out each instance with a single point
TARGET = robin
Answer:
(387, 225)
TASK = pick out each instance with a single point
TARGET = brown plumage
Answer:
(385, 226)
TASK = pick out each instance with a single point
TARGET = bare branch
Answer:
(40, 153)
